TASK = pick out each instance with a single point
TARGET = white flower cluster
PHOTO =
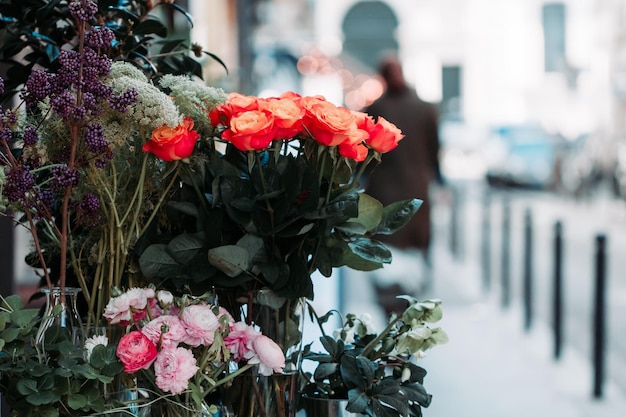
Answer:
(153, 108)
(194, 99)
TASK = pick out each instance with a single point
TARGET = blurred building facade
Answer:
(561, 63)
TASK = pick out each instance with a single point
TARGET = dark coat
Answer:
(407, 171)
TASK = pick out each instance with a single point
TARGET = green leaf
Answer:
(230, 259)
(48, 412)
(370, 250)
(378, 409)
(394, 401)
(13, 302)
(76, 401)
(184, 247)
(342, 208)
(324, 370)
(185, 207)
(23, 318)
(417, 393)
(254, 244)
(329, 344)
(357, 401)
(26, 386)
(46, 382)
(149, 27)
(357, 372)
(396, 215)
(43, 397)
(155, 262)
(370, 212)
(10, 334)
(4, 317)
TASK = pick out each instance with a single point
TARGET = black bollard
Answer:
(454, 223)
(486, 243)
(506, 253)
(527, 289)
(599, 317)
(557, 295)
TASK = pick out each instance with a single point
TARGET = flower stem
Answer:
(371, 345)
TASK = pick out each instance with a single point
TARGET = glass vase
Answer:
(281, 319)
(61, 311)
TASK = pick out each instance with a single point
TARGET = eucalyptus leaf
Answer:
(230, 259)
(156, 262)
(185, 207)
(184, 247)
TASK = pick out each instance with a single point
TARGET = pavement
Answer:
(492, 366)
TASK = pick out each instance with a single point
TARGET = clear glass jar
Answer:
(61, 311)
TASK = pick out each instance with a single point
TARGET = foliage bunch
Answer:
(377, 372)
(53, 378)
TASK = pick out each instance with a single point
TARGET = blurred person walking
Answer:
(408, 172)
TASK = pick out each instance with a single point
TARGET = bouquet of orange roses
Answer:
(272, 196)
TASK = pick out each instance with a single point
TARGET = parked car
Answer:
(523, 155)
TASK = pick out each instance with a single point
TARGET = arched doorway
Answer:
(369, 29)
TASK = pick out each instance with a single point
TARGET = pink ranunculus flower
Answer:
(153, 306)
(200, 324)
(173, 368)
(239, 340)
(136, 351)
(174, 333)
(268, 355)
(137, 298)
(118, 311)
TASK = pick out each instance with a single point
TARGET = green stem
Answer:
(362, 167)
(371, 345)
(270, 210)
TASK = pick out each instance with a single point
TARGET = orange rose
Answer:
(287, 116)
(173, 143)
(329, 124)
(384, 136)
(236, 103)
(353, 150)
(251, 130)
